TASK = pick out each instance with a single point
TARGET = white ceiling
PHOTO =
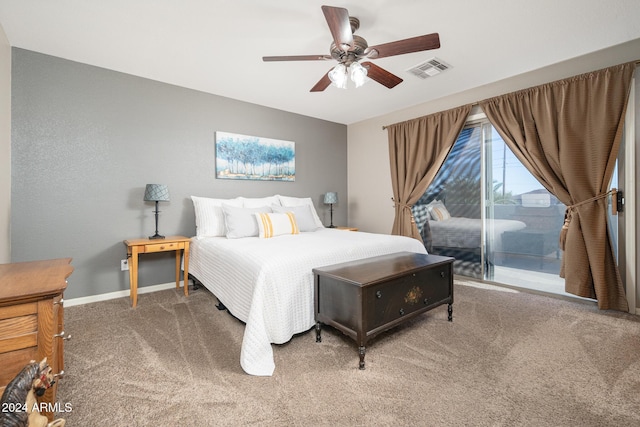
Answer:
(216, 46)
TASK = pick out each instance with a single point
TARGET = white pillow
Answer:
(304, 217)
(209, 216)
(276, 224)
(301, 201)
(241, 222)
(259, 202)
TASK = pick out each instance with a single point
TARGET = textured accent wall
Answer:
(5, 148)
(86, 140)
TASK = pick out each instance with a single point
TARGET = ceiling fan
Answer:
(348, 49)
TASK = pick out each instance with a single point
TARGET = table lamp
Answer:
(330, 199)
(156, 193)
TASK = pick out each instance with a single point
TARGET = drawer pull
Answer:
(61, 302)
(442, 274)
(61, 335)
(402, 312)
(161, 248)
(59, 375)
(426, 301)
(378, 294)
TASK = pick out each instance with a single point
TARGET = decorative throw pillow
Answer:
(439, 212)
(276, 224)
(241, 222)
(301, 201)
(304, 217)
(209, 216)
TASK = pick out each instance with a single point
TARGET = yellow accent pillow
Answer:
(276, 224)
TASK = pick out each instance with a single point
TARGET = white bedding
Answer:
(457, 232)
(268, 283)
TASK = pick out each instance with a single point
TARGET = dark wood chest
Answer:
(366, 297)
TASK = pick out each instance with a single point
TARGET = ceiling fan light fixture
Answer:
(347, 49)
(358, 74)
(338, 75)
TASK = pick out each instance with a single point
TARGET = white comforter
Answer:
(268, 283)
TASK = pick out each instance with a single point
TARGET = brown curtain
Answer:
(417, 150)
(567, 134)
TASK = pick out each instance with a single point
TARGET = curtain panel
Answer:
(567, 134)
(417, 150)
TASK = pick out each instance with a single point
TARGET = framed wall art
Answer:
(254, 158)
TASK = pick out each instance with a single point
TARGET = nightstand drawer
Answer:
(161, 247)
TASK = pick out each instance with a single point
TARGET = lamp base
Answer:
(157, 235)
(331, 226)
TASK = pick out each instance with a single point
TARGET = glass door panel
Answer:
(499, 222)
(485, 209)
(448, 215)
(523, 222)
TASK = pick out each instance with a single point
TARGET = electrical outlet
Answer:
(124, 264)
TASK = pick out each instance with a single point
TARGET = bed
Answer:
(460, 237)
(267, 282)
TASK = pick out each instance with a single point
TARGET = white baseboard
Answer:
(118, 294)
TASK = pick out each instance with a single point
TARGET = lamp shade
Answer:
(338, 75)
(156, 193)
(330, 198)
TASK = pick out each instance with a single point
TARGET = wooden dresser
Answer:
(366, 297)
(32, 319)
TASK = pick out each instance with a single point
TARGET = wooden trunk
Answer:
(366, 297)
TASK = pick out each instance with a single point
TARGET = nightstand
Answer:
(179, 244)
(347, 228)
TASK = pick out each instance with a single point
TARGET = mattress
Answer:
(268, 283)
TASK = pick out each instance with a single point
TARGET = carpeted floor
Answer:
(508, 359)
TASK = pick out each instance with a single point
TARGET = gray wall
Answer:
(86, 140)
(5, 148)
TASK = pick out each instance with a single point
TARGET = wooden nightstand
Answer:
(347, 228)
(180, 244)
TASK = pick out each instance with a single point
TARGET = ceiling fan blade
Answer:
(400, 47)
(297, 58)
(381, 75)
(322, 84)
(338, 20)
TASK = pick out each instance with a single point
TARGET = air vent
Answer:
(429, 68)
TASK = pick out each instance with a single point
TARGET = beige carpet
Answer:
(508, 359)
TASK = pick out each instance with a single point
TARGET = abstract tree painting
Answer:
(255, 158)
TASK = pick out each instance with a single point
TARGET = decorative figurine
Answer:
(19, 405)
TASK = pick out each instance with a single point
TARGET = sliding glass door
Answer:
(486, 210)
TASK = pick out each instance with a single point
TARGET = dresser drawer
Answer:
(18, 310)
(405, 295)
(162, 247)
(18, 327)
